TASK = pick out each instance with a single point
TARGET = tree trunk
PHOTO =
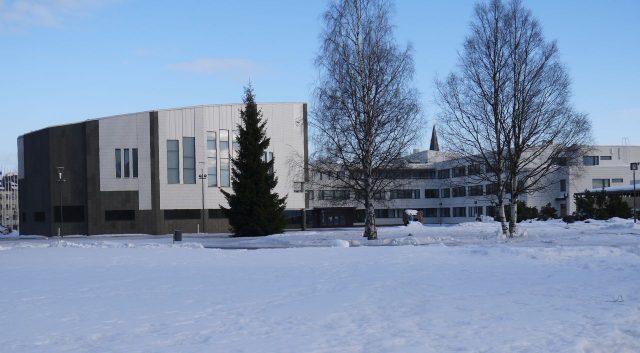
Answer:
(513, 210)
(503, 219)
(370, 231)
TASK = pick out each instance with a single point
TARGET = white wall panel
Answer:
(126, 131)
(287, 143)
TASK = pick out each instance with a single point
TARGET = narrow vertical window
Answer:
(126, 163)
(225, 177)
(269, 159)
(134, 157)
(212, 165)
(118, 163)
(173, 162)
(236, 144)
(189, 160)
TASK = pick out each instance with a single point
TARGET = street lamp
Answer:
(202, 176)
(634, 167)
(60, 181)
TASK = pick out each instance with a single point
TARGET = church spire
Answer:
(434, 140)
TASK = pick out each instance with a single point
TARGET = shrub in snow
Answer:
(547, 212)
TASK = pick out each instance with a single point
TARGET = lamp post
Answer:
(202, 176)
(60, 181)
(634, 167)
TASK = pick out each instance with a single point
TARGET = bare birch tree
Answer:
(545, 133)
(366, 112)
(475, 102)
(509, 107)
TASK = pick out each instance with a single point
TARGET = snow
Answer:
(459, 288)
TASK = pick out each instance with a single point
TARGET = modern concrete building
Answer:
(441, 187)
(145, 172)
(9, 200)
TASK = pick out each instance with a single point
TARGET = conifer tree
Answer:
(254, 209)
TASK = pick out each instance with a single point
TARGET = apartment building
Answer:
(9, 200)
(445, 189)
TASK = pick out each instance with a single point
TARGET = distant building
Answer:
(140, 172)
(440, 186)
(9, 200)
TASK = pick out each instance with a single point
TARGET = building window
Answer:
(404, 194)
(182, 214)
(70, 214)
(444, 174)
(445, 212)
(446, 193)
(225, 170)
(427, 174)
(475, 169)
(212, 156)
(268, 157)
(216, 214)
(119, 215)
(491, 211)
(134, 160)
(297, 186)
(459, 211)
(563, 185)
(173, 162)
(431, 193)
(235, 144)
(126, 163)
(492, 189)
(474, 211)
(459, 191)
(189, 160)
(476, 190)
(600, 183)
(430, 212)
(389, 213)
(617, 180)
(333, 195)
(560, 161)
(39, 217)
(459, 171)
(605, 158)
(310, 195)
(590, 160)
(118, 163)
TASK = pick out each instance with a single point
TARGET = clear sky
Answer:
(64, 61)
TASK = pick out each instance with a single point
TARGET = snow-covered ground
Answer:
(558, 288)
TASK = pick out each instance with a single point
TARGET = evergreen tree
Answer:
(548, 212)
(254, 209)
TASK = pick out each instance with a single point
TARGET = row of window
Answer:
(126, 162)
(594, 160)
(400, 194)
(218, 144)
(413, 173)
(605, 183)
(468, 211)
(75, 214)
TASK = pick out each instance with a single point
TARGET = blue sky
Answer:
(66, 61)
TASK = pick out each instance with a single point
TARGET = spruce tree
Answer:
(254, 209)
